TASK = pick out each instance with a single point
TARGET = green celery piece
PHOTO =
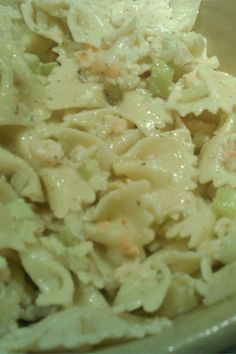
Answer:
(161, 78)
(20, 210)
(46, 68)
(225, 202)
(85, 172)
(38, 67)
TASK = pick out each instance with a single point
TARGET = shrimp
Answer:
(96, 64)
(46, 151)
(81, 57)
(191, 79)
(125, 271)
(100, 67)
(128, 247)
(119, 127)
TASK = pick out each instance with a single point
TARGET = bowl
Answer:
(216, 21)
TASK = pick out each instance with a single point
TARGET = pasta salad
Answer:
(117, 171)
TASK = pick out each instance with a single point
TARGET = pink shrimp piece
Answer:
(46, 151)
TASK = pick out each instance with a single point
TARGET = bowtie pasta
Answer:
(117, 171)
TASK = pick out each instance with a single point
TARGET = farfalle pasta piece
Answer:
(225, 252)
(18, 226)
(147, 113)
(183, 49)
(96, 26)
(217, 158)
(54, 145)
(145, 289)
(89, 264)
(15, 294)
(204, 219)
(176, 260)
(178, 16)
(22, 91)
(7, 89)
(7, 193)
(105, 123)
(121, 144)
(180, 297)
(65, 90)
(66, 190)
(42, 23)
(122, 60)
(184, 14)
(38, 147)
(92, 268)
(60, 330)
(213, 291)
(73, 147)
(10, 309)
(53, 280)
(58, 9)
(73, 94)
(23, 178)
(195, 46)
(204, 89)
(222, 248)
(100, 122)
(70, 138)
(119, 221)
(167, 162)
(88, 295)
(4, 270)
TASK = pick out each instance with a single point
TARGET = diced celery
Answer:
(46, 68)
(85, 172)
(88, 169)
(225, 202)
(38, 67)
(20, 210)
(161, 78)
